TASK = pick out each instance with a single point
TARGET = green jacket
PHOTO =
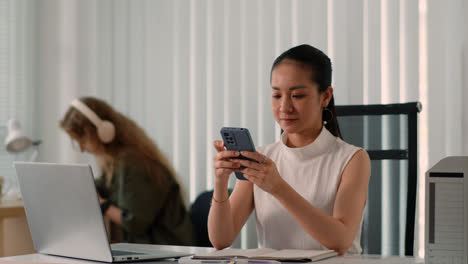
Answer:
(150, 214)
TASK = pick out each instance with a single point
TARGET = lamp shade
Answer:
(16, 141)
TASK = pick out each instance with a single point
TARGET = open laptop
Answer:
(64, 216)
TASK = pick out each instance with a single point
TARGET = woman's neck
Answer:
(299, 140)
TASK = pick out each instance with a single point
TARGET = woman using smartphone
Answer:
(138, 189)
(309, 189)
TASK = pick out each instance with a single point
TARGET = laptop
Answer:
(64, 216)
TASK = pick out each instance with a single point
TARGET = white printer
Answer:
(446, 212)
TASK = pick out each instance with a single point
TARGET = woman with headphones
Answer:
(138, 189)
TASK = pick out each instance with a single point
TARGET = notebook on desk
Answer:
(64, 216)
(270, 254)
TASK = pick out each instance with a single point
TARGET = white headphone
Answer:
(105, 129)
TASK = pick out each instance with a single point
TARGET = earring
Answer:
(327, 115)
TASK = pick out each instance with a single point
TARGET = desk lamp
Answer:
(16, 141)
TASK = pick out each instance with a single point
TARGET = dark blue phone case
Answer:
(237, 138)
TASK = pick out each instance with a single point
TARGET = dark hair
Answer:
(320, 65)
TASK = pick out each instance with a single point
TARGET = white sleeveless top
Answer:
(314, 171)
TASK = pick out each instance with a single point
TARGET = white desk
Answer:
(369, 259)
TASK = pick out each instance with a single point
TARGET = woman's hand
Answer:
(224, 162)
(263, 173)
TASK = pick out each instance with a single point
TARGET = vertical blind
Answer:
(182, 69)
(16, 79)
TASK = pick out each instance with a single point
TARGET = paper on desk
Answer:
(235, 252)
(190, 260)
(269, 254)
(372, 259)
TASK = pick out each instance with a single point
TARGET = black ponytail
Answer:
(332, 121)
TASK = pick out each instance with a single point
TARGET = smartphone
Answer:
(239, 139)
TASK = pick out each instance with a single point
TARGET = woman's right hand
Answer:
(224, 162)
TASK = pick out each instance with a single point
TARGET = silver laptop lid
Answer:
(63, 210)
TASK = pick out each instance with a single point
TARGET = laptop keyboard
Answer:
(124, 253)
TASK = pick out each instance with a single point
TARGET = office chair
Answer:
(389, 133)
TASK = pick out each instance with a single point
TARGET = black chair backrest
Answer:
(388, 132)
(199, 216)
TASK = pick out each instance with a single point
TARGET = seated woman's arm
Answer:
(113, 212)
(227, 218)
(140, 200)
(335, 232)
(228, 215)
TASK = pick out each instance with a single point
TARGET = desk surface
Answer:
(14, 232)
(365, 259)
(11, 208)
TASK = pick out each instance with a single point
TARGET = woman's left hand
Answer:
(263, 173)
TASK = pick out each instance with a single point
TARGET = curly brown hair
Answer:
(129, 139)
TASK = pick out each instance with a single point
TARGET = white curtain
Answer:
(183, 69)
